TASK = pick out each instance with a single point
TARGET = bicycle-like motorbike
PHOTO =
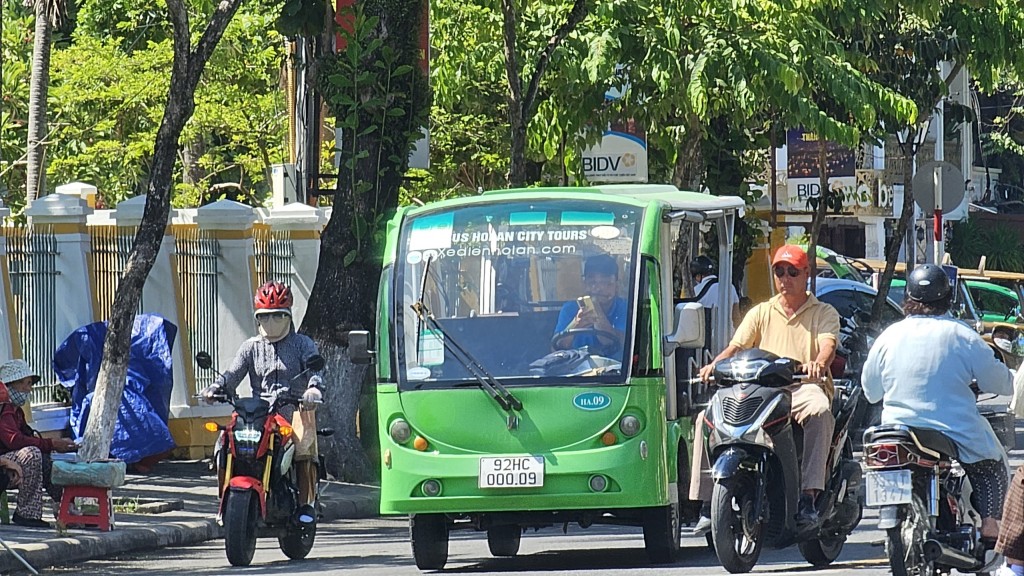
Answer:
(259, 495)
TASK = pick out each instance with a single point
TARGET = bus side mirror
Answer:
(359, 347)
(689, 332)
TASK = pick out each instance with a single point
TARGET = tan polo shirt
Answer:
(767, 327)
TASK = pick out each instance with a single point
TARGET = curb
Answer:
(351, 507)
(82, 547)
(78, 548)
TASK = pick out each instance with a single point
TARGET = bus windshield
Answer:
(536, 292)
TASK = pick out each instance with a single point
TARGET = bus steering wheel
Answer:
(615, 338)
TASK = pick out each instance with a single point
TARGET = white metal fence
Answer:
(32, 257)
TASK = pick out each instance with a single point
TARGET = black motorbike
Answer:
(856, 337)
(924, 501)
(755, 448)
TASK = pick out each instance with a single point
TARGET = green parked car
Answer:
(995, 303)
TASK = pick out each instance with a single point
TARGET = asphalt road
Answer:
(381, 547)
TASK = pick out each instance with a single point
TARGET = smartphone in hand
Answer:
(586, 303)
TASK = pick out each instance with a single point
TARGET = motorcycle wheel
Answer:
(429, 535)
(241, 512)
(297, 541)
(904, 542)
(504, 540)
(822, 552)
(735, 529)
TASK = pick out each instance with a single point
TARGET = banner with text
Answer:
(621, 156)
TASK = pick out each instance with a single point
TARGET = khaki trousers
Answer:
(811, 409)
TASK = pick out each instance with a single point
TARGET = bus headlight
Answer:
(400, 431)
(629, 425)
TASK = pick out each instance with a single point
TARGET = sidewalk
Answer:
(180, 501)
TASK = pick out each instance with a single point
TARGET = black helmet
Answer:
(928, 283)
(755, 365)
(702, 265)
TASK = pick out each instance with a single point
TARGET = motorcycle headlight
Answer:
(248, 435)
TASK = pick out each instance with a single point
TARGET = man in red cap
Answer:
(792, 324)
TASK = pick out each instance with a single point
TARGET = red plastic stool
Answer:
(104, 518)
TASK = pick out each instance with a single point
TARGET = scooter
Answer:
(259, 491)
(755, 449)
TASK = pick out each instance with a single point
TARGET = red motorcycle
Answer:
(259, 495)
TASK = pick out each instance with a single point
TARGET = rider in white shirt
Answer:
(922, 367)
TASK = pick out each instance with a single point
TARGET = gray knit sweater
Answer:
(272, 366)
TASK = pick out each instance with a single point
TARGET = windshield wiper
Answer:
(488, 383)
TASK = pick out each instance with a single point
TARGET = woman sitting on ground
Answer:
(20, 444)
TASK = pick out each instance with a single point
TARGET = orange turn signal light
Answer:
(420, 443)
(608, 438)
(211, 426)
(285, 430)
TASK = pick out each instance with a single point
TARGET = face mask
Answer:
(18, 398)
(1003, 344)
(274, 328)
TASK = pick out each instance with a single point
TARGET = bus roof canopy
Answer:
(677, 199)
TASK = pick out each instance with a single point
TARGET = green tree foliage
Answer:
(971, 239)
(107, 106)
(108, 87)
(562, 106)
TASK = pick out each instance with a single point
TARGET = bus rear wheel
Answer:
(504, 540)
(429, 536)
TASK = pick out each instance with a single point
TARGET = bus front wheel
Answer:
(661, 533)
(429, 535)
(504, 540)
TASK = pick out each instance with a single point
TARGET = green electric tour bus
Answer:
(502, 404)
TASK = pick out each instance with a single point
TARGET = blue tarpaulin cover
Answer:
(141, 428)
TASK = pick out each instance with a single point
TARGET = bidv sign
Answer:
(591, 401)
(864, 194)
(619, 157)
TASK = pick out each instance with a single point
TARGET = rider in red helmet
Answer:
(275, 362)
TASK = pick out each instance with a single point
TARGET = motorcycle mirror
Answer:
(315, 362)
(204, 361)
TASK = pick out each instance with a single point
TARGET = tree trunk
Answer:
(819, 212)
(192, 172)
(344, 454)
(342, 299)
(186, 70)
(682, 282)
(373, 162)
(517, 177)
(893, 253)
(38, 89)
(688, 174)
(691, 165)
